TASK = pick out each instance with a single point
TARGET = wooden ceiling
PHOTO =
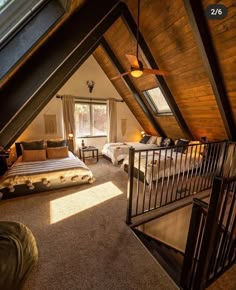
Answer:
(166, 28)
(174, 36)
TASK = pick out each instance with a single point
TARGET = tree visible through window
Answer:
(91, 119)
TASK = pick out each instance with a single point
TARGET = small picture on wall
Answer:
(50, 124)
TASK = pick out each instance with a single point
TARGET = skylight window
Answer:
(14, 13)
(157, 101)
(4, 3)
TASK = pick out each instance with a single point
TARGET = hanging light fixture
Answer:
(136, 73)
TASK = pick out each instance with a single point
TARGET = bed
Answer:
(164, 162)
(117, 152)
(38, 174)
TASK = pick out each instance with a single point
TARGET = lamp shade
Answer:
(142, 133)
(136, 73)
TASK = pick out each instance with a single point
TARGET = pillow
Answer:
(145, 139)
(33, 145)
(166, 142)
(183, 143)
(57, 152)
(198, 147)
(56, 143)
(34, 155)
(159, 141)
(152, 140)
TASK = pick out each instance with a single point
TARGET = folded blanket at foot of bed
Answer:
(18, 254)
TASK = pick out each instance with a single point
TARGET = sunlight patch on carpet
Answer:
(67, 206)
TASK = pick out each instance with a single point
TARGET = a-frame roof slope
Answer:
(169, 42)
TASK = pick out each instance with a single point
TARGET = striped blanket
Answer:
(43, 171)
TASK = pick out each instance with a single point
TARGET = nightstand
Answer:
(83, 150)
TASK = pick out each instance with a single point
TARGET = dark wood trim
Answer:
(93, 100)
(39, 79)
(131, 86)
(204, 41)
(132, 26)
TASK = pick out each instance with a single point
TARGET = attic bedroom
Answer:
(117, 137)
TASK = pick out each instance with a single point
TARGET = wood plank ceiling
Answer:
(169, 36)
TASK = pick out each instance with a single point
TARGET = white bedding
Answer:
(119, 151)
(63, 169)
(165, 162)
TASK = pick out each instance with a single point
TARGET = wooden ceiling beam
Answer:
(45, 72)
(131, 86)
(132, 26)
(204, 41)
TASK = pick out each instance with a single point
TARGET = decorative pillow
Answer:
(145, 139)
(197, 147)
(57, 152)
(152, 140)
(56, 143)
(159, 141)
(34, 155)
(33, 145)
(183, 143)
(166, 142)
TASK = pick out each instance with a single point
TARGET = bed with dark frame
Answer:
(50, 168)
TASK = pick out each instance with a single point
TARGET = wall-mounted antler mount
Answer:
(90, 85)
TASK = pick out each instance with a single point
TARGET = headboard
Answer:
(18, 149)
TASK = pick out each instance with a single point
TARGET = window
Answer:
(91, 119)
(14, 13)
(3, 3)
(157, 101)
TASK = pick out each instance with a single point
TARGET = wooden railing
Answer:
(161, 176)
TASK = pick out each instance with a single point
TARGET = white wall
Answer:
(77, 86)
(36, 130)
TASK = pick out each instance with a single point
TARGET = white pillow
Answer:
(152, 140)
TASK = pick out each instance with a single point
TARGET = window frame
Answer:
(91, 118)
(153, 106)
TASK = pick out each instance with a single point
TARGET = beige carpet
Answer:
(82, 237)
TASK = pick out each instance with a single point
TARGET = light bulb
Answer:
(136, 73)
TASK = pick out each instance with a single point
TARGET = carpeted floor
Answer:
(82, 237)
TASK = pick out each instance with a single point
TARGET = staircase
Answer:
(169, 258)
(197, 252)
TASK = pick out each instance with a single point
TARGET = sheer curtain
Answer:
(112, 121)
(68, 105)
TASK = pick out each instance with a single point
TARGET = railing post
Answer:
(221, 162)
(209, 234)
(189, 257)
(130, 185)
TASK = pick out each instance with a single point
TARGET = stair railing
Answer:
(211, 243)
(160, 176)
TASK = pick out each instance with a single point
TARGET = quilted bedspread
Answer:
(62, 169)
